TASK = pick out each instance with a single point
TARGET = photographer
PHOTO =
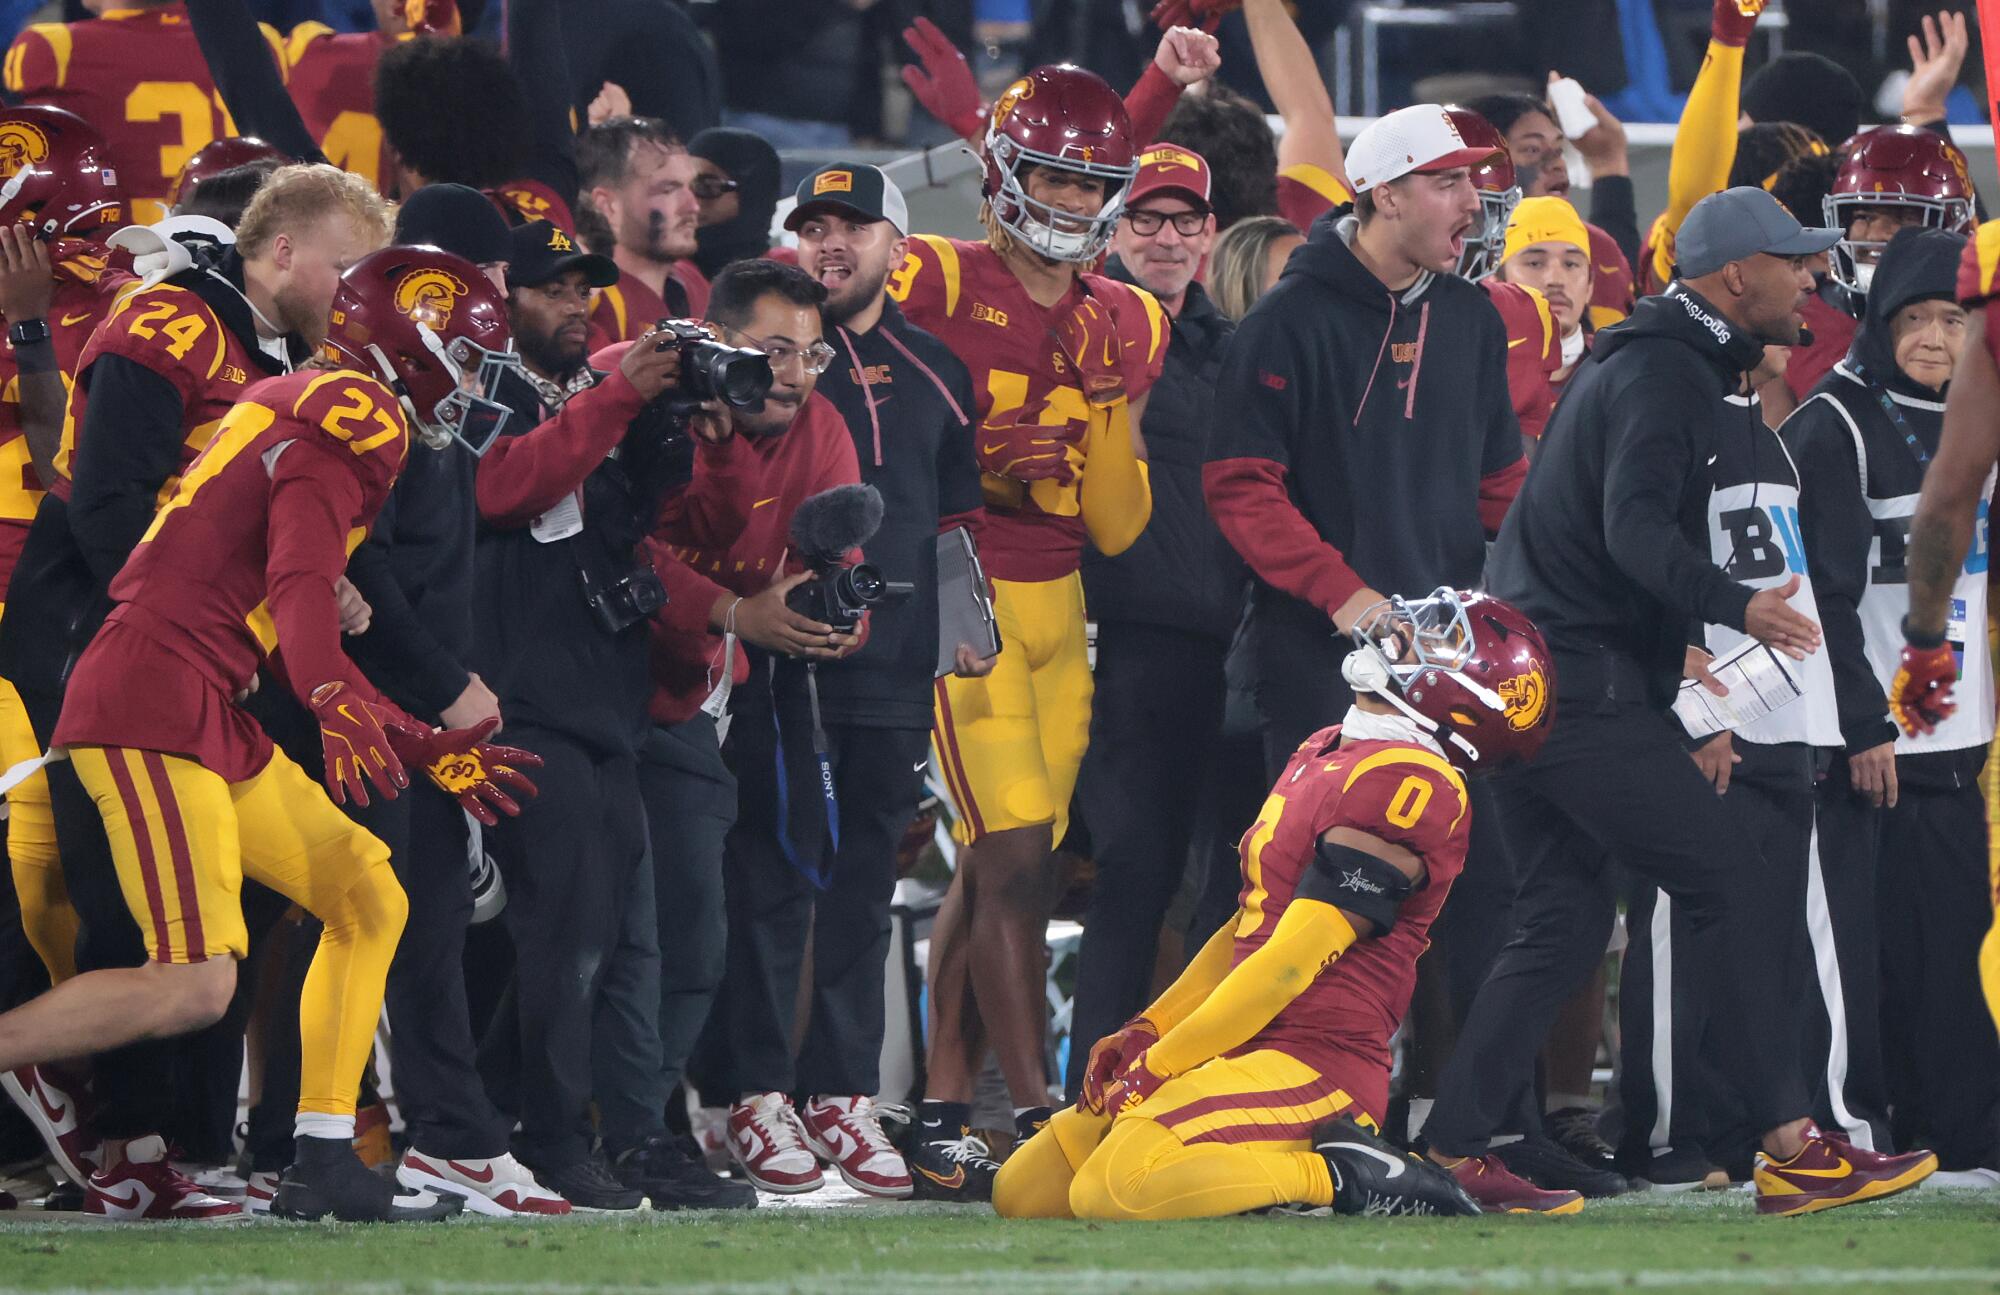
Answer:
(564, 593)
(711, 658)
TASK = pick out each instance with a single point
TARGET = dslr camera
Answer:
(622, 602)
(737, 376)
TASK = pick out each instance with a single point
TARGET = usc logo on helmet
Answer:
(21, 146)
(1526, 696)
(429, 296)
(1010, 98)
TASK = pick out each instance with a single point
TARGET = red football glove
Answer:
(1734, 20)
(476, 773)
(1029, 451)
(1920, 696)
(1109, 1056)
(1205, 14)
(1134, 1085)
(944, 84)
(1089, 336)
(356, 747)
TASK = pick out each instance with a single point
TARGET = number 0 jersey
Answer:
(192, 623)
(962, 293)
(138, 75)
(1397, 792)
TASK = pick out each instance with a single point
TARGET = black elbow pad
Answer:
(1357, 881)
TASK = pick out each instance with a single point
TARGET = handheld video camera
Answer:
(824, 528)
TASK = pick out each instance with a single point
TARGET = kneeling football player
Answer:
(239, 561)
(1260, 1077)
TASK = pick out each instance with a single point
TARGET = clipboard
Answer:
(965, 605)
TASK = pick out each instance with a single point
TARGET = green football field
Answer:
(1925, 1240)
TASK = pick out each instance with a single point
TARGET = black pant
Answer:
(781, 830)
(690, 805)
(1937, 1038)
(1295, 658)
(1670, 1086)
(1155, 726)
(1843, 1044)
(569, 863)
(1614, 778)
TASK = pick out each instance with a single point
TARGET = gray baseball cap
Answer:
(1739, 223)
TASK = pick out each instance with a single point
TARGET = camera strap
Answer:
(817, 871)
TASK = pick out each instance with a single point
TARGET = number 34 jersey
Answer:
(1398, 792)
(964, 294)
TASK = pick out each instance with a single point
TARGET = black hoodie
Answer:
(1860, 479)
(750, 161)
(1606, 550)
(1362, 437)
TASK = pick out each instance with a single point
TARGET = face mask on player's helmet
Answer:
(55, 175)
(1470, 669)
(1499, 194)
(1894, 166)
(432, 326)
(1068, 119)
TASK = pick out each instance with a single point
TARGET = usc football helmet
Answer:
(55, 174)
(434, 328)
(1499, 193)
(1894, 166)
(1467, 667)
(1068, 119)
(218, 155)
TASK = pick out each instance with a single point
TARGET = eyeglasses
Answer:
(1147, 223)
(816, 358)
(712, 186)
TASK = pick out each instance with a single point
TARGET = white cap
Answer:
(1418, 138)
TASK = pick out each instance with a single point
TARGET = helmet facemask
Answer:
(1396, 641)
(1050, 231)
(468, 413)
(1853, 261)
(1483, 253)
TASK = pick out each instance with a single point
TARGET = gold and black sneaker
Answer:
(946, 1162)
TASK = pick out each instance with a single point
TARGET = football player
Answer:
(1941, 532)
(332, 78)
(1261, 1076)
(1889, 177)
(1062, 360)
(136, 73)
(194, 796)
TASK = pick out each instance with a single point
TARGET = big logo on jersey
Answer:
(21, 146)
(429, 296)
(1526, 697)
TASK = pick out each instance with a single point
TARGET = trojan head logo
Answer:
(834, 182)
(1526, 696)
(429, 296)
(1010, 99)
(21, 146)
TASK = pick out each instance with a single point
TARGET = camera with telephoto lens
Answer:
(737, 376)
(824, 528)
(621, 603)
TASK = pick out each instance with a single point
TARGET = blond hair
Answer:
(1236, 268)
(297, 197)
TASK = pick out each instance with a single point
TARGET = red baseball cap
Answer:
(1169, 168)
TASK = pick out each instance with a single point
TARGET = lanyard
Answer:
(1881, 394)
(818, 871)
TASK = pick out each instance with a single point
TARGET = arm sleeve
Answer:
(129, 447)
(712, 510)
(690, 594)
(1151, 98)
(1837, 531)
(522, 477)
(1262, 401)
(397, 636)
(1649, 459)
(1197, 980)
(1309, 935)
(248, 78)
(315, 498)
(535, 52)
(1116, 497)
(1704, 147)
(1614, 208)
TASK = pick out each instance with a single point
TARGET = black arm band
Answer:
(1921, 642)
(1357, 882)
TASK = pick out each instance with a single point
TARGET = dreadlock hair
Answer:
(1765, 149)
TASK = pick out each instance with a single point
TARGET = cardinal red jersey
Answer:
(139, 77)
(1979, 279)
(1305, 191)
(629, 307)
(85, 288)
(524, 200)
(332, 79)
(1398, 792)
(1611, 279)
(173, 332)
(964, 294)
(1534, 351)
(191, 625)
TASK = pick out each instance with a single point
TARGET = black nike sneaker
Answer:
(1550, 1167)
(946, 1162)
(671, 1173)
(1372, 1177)
(1031, 1121)
(1574, 1129)
(327, 1180)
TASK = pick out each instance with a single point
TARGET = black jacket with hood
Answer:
(750, 161)
(1842, 431)
(1606, 549)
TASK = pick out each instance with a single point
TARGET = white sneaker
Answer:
(767, 1140)
(500, 1188)
(847, 1134)
(259, 1189)
(1964, 1179)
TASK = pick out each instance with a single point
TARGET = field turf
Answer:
(1927, 1240)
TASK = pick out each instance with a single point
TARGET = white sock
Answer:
(1420, 1111)
(311, 1124)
